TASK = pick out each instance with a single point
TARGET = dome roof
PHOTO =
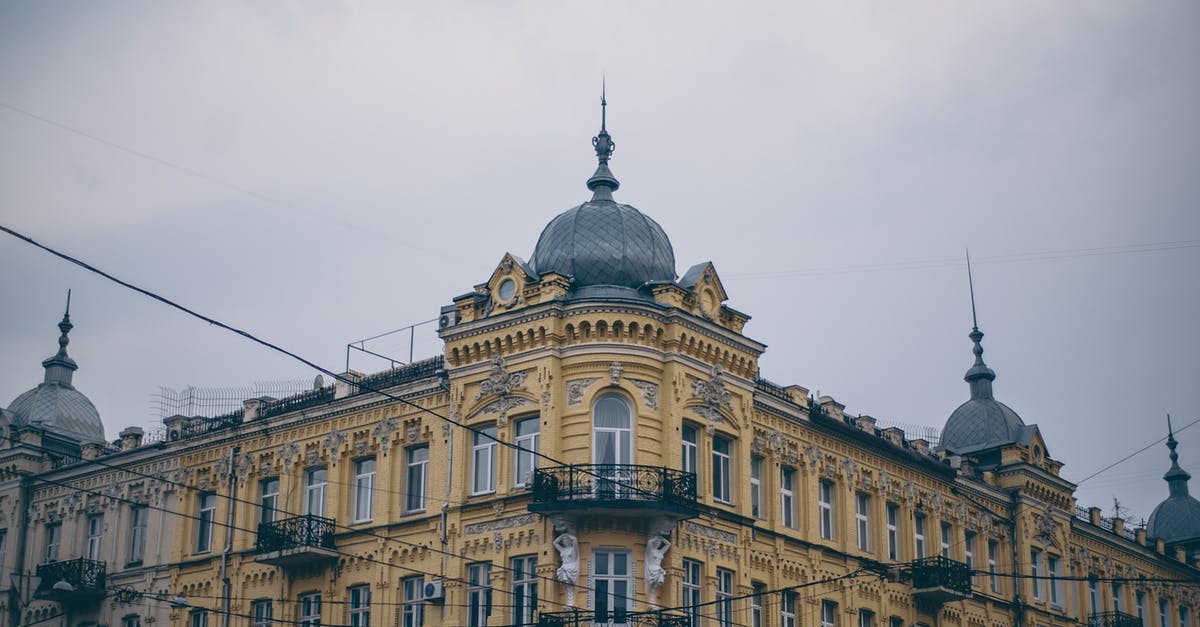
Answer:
(55, 404)
(982, 422)
(1177, 519)
(602, 242)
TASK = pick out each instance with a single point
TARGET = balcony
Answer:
(1113, 619)
(585, 618)
(74, 581)
(295, 541)
(614, 488)
(940, 579)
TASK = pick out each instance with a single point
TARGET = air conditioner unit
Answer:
(434, 591)
(448, 318)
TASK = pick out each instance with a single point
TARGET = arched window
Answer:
(611, 425)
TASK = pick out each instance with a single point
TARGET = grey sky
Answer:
(409, 147)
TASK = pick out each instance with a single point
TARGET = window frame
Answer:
(722, 470)
(946, 531)
(825, 517)
(268, 500)
(137, 533)
(262, 613)
(528, 445)
(787, 609)
(205, 521)
(690, 451)
(316, 491)
(1035, 558)
(95, 537)
(483, 457)
(1053, 565)
(308, 609)
(787, 497)
(524, 589)
(757, 588)
(828, 613)
(862, 520)
(198, 618)
(364, 482)
(412, 610)
(892, 513)
(416, 478)
(479, 593)
(607, 600)
(53, 541)
(692, 585)
(757, 504)
(724, 606)
(358, 607)
(919, 528)
(993, 561)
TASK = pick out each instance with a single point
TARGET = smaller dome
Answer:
(1177, 519)
(602, 242)
(982, 422)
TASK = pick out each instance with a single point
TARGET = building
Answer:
(596, 446)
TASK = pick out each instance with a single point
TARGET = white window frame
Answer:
(53, 541)
(756, 603)
(693, 581)
(139, 521)
(862, 520)
(825, 509)
(483, 460)
(724, 597)
(359, 605)
(893, 531)
(316, 483)
(756, 490)
(95, 537)
(479, 593)
(413, 606)
(946, 530)
(969, 540)
(690, 450)
(787, 609)
(1140, 599)
(993, 551)
(198, 618)
(919, 525)
(787, 497)
(308, 609)
(131, 620)
(612, 583)
(1053, 564)
(263, 613)
(1035, 571)
(866, 618)
(828, 613)
(206, 521)
(524, 589)
(364, 489)
(1164, 611)
(722, 469)
(416, 477)
(268, 502)
(1116, 596)
(1094, 597)
(528, 443)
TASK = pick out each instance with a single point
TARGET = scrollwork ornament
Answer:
(332, 443)
(288, 452)
(576, 388)
(500, 381)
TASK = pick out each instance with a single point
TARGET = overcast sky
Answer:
(317, 173)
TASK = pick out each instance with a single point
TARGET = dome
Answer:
(1177, 519)
(602, 242)
(982, 422)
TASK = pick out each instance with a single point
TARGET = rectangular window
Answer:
(862, 520)
(1094, 597)
(479, 591)
(919, 534)
(364, 489)
(3, 549)
(691, 439)
(724, 597)
(969, 552)
(691, 591)
(95, 527)
(1056, 590)
(204, 523)
(1035, 559)
(612, 585)
(787, 609)
(828, 614)
(993, 555)
(1185, 618)
(315, 481)
(825, 509)
(756, 489)
(756, 603)
(310, 609)
(895, 621)
(53, 541)
(866, 618)
(524, 589)
(1141, 606)
(722, 467)
(946, 540)
(893, 531)
(263, 613)
(269, 501)
(418, 464)
(360, 606)
(139, 517)
(483, 458)
(528, 440)
(413, 610)
(198, 618)
(1162, 612)
(132, 620)
(1116, 597)
(787, 500)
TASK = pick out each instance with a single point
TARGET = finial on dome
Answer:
(1176, 477)
(603, 183)
(65, 327)
(979, 376)
(60, 366)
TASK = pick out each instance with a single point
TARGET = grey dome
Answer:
(602, 242)
(1177, 519)
(982, 422)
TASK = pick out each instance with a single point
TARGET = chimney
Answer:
(341, 387)
(1094, 516)
(865, 423)
(131, 438)
(1141, 536)
(894, 436)
(250, 409)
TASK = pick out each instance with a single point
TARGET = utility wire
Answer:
(1135, 453)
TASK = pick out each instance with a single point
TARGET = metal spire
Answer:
(971, 283)
(603, 183)
(1176, 477)
(979, 376)
(603, 102)
(65, 327)
(1171, 443)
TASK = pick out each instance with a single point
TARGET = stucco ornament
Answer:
(500, 381)
(657, 546)
(615, 370)
(567, 545)
(713, 396)
(332, 442)
(778, 442)
(649, 392)
(576, 388)
(1047, 527)
(502, 406)
(384, 430)
(288, 452)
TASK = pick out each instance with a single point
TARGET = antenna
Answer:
(68, 301)
(971, 283)
(603, 102)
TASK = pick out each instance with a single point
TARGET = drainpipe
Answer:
(445, 384)
(1018, 606)
(225, 582)
(14, 591)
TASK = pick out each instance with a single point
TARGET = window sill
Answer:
(487, 493)
(413, 512)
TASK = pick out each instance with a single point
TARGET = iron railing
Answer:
(201, 426)
(396, 376)
(83, 575)
(1113, 619)
(613, 484)
(304, 400)
(941, 572)
(614, 618)
(295, 533)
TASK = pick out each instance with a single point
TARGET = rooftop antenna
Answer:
(603, 102)
(971, 283)
(68, 301)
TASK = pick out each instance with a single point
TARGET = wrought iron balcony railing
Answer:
(1113, 619)
(941, 579)
(78, 578)
(587, 486)
(587, 618)
(300, 532)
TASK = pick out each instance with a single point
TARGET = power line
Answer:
(1135, 453)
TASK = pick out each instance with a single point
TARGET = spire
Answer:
(603, 183)
(1176, 477)
(60, 366)
(979, 376)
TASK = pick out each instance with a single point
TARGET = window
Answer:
(893, 531)
(315, 481)
(756, 489)
(721, 470)
(528, 439)
(828, 614)
(364, 489)
(204, 523)
(3, 548)
(895, 621)
(263, 613)
(53, 541)
(1056, 591)
(1185, 620)
(198, 618)
(866, 618)
(756, 601)
(787, 500)
(310, 609)
(993, 578)
(787, 609)
(479, 591)
(611, 585)
(269, 501)
(724, 597)
(131, 620)
(1116, 597)
(1035, 559)
(1094, 597)
(691, 438)
(919, 534)
(862, 520)
(360, 606)
(1141, 606)
(612, 426)
(95, 529)
(524, 589)
(413, 611)
(418, 463)
(483, 460)
(825, 507)
(946, 540)
(969, 552)
(691, 591)
(1162, 612)
(138, 518)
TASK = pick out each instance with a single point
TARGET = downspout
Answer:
(1018, 606)
(227, 587)
(14, 592)
(445, 384)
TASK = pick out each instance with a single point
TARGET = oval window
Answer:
(508, 288)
